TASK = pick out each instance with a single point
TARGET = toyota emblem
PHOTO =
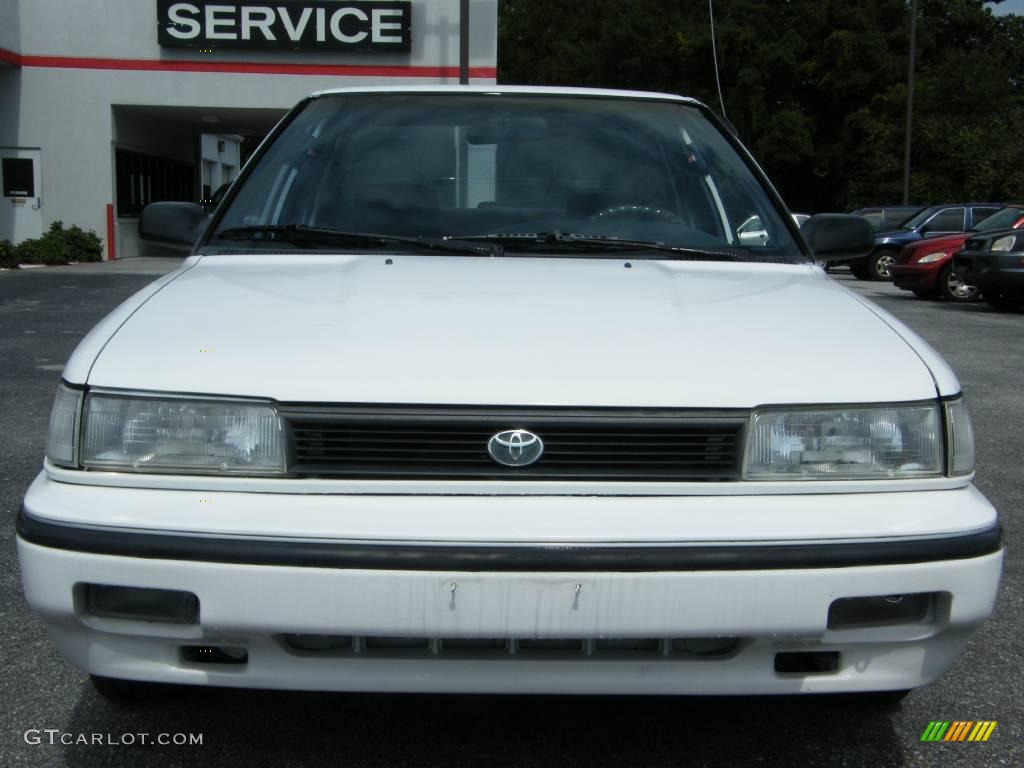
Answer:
(515, 447)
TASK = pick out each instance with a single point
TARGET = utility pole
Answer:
(910, 101)
(462, 155)
(464, 42)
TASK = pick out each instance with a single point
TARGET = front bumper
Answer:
(917, 277)
(408, 605)
(993, 273)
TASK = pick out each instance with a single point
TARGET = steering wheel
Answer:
(628, 210)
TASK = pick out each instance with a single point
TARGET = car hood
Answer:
(511, 331)
(943, 243)
(982, 241)
(896, 236)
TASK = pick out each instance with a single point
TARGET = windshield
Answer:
(477, 165)
(1004, 219)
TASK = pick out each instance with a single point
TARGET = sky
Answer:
(1009, 6)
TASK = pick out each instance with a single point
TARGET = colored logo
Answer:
(515, 448)
(958, 730)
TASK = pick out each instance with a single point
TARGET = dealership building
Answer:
(108, 105)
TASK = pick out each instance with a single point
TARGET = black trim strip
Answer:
(743, 557)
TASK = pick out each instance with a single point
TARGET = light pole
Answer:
(910, 101)
(464, 42)
(714, 55)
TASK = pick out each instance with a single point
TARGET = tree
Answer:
(816, 88)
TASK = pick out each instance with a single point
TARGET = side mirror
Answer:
(177, 225)
(838, 236)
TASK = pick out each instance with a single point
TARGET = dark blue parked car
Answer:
(929, 222)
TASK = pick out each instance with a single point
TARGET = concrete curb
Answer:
(142, 265)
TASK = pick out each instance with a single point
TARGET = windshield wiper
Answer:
(478, 245)
(570, 241)
(300, 234)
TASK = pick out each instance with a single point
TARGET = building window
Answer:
(144, 179)
(207, 180)
(18, 177)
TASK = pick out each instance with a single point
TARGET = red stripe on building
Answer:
(10, 57)
(240, 67)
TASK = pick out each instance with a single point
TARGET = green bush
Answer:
(7, 255)
(86, 246)
(35, 251)
(59, 246)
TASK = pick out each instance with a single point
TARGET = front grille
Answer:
(646, 649)
(448, 443)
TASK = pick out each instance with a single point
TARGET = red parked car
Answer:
(926, 266)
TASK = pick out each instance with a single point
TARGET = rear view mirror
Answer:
(177, 225)
(836, 236)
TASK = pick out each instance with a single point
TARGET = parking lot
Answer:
(43, 314)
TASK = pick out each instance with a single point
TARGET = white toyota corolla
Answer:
(480, 389)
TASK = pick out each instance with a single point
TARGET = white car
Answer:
(479, 389)
(752, 232)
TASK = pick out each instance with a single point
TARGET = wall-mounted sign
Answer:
(370, 25)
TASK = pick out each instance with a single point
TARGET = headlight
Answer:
(932, 257)
(62, 438)
(1007, 243)
(143, 434)
(854, 443)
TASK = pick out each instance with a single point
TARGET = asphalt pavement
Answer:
(43, 314)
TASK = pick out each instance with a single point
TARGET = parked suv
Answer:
(926, 267)
(929, 222)
(478, 389)
(994, 261)
(887, 217)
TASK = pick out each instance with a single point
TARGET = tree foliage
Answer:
(816, 88)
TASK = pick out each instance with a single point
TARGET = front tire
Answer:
(1002, 303)
(883, 701)
(127, 691)
(880, 264)
(951, 288)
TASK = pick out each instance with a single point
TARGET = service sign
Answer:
(371, 25)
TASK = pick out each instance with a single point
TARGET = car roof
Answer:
(884, 208)
(966, 205)
(535, 90)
